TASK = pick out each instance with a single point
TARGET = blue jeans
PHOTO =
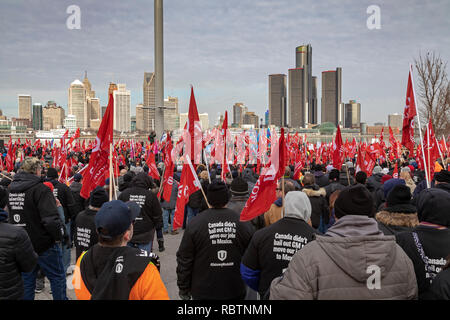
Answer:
(51, 264)
(66, 251)
(143, 246)
(191, 212)
(166, 214)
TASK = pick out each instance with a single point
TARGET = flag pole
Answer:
(207, 166)
(420, 127)
(110, 172)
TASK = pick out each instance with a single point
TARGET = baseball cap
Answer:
(115, 217)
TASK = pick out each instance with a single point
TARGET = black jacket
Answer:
(271, 249)
(443, 186)
(16, 256)
(374, 182)
(210, 253)
(332, 187)
(32, 205)
(65, 196)
(440, 288)
(85, 231)
(80, 202)
(319, 205)
(436, 245)
(150, 216)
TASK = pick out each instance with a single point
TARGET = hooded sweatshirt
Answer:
(352, 261)
(32, 205)
(433, 235)
(150, 216)
(271, 249)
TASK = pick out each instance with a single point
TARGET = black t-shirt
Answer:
(85, 231)
(435, 244)
(271, 249)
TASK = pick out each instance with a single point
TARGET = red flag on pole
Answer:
(263, 193)
(225, 170)
(395, 173)
(408, 117)
(98, 163)
(338, 150)
(189, 184)
(193, 131)
(168, 172)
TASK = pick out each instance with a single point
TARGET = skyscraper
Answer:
(149, 103)
(239, 111)
(24, 106)
(78, 104)
(53, 116)
(296, 98)
(37, 116)
(122, 108)
(252, 119)
(277, 100)
(352, 114)
(171, 116)
(395, 121)
(331, 95)
(303, 59)
(314, 118)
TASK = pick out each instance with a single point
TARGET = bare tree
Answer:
(434, 92)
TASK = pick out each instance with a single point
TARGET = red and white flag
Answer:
(430, 149)
(409, 113)
(264, 191)
(338, 152)
(168, 171)
(99, 163)
(189, 184)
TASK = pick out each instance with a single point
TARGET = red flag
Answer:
(168, 171)
(225, 170)
(153, 170)
(75, 136)
(338, 150)
(395, 173)
(431, 150)
(9, 157)
(369, 163)
(263, 193)
(98, 163)
(189, 184)
(408, 116)
(193, 131)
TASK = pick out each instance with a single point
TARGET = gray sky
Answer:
(225, 49)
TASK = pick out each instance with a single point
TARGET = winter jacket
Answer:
(173, 197)
(440, 288)
(443, 186)
(398, 218)
(117, 273)
(332, 187)
(433, 236)
(16, 256)
(32, 205)
(205, 184)
(271, 249)
(319, 205)
(275, 212)
(344, 178)
(150, 216)
(85, 231)
(436, 246)
(210, 253)
(374, 182)
(80, 202)
(65, 196)
(353, 261)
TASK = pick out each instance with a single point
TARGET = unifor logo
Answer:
(119, 268)
(16, 218)
(222, 255)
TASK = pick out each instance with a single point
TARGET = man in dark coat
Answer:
(429, 243)
(320, 214)
(442, 180)
(85, 231)
(334, 183)
(16, 253)
(150, 217)
(32, 205)
(211, 250)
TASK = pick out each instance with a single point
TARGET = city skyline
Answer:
(374, 62)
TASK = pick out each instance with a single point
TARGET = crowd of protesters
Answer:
(331, 234)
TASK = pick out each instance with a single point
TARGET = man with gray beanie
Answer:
(352, 261)
(271, 249)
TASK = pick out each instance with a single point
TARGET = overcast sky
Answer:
(225, 49)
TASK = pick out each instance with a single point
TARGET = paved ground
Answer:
(168, 269)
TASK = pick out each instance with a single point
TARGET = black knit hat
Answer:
(98, 197)
(354, 200)
(400, 194)
(52, 173)
(218, 194)
(239, 187)
(442, 176)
